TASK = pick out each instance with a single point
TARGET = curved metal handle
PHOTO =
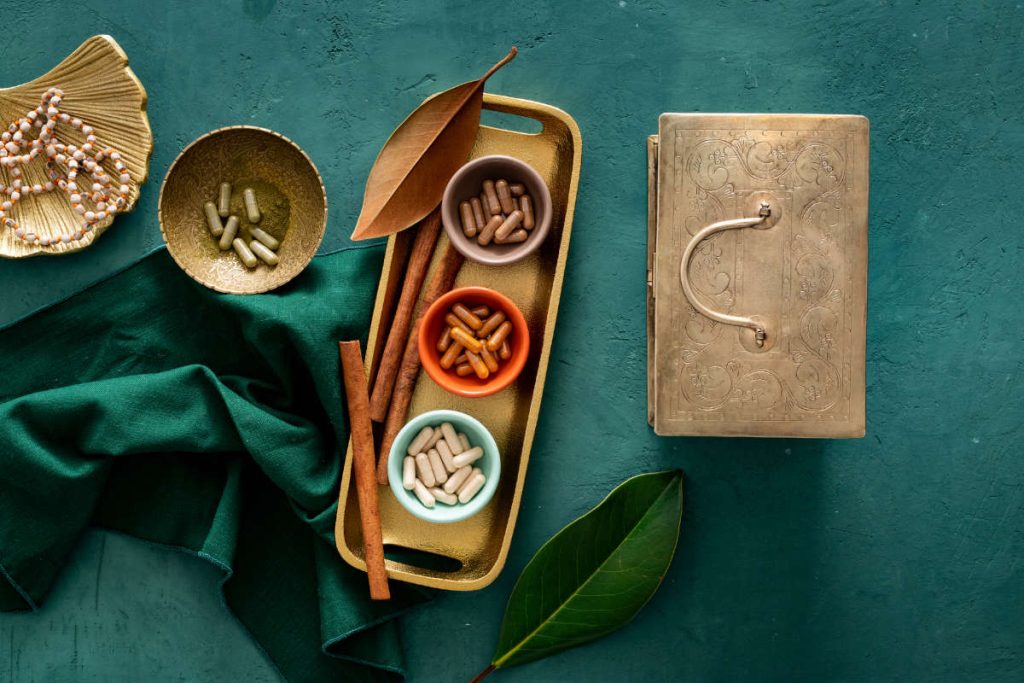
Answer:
(760, 222)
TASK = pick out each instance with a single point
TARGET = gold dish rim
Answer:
(213, 133)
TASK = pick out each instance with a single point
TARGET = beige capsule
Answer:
(229, 234)
(516, 237)
(468, 457)
(493, 204)
(213, 219)
(457, 479)
(224, 200)
(260, 249)
(252, 209)
(510, 224)
(244, 253)
(517, 189)
(451, 437)
(265, 237)
(425, 496)
(420, 441)
(408, 473)
(435, 438)
(424, 471)
(526, 206)
(464, 440)
(447, 458)
(478, 212)
(487, 234)
(472, 486)
(437, 465)
(504, 196)
(443, 450)
(468, 219)
(443, 496)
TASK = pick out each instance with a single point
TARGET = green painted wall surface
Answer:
(895, 557)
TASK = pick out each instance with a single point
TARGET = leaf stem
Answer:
(505, 60)
(490, 667)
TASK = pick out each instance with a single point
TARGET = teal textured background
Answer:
(895, 557)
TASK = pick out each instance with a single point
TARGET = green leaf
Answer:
(595, 574)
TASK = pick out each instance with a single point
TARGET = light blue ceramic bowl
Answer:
(489, 464)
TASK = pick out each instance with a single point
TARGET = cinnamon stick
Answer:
(362, 465)
(415, 273)
(442, 282)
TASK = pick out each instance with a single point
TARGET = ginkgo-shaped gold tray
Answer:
(102, 90)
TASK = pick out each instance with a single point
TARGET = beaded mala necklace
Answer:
(63, 165)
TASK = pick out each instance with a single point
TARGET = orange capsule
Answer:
(445, 340)
(481, 311)
(467, 316)
(526, 206)
(463, 369)
(453, 321)
(493, 205)
(467, 340)
(448, 359)
(478, 365)
(487, 234)
(495, 340)
(504, 196)
(505, 351)
(468, 219)
(461, 359)
(489, 360)
(491, 324)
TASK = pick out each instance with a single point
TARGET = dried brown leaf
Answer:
(411, 171)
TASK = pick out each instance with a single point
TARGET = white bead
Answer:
(80, 209)
(100, 215)
(65, 238)
(124, 189)
(25, 126)
(125, 178)
(37, 188)
(15, 196)
(64, 118)
(87, 130)
(90, 216)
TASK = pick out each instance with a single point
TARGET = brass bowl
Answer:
(289, 191)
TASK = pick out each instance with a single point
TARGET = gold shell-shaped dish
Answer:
(100, 89)
(289, 191)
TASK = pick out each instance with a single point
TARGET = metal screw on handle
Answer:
(760, 222)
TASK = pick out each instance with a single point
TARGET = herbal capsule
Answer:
(517, 189)
(516, 237)
(500, 334)
(464, 369)
(464, 440)
(467, 316)
(443, 450)
(487, 234)
(472, 486)
(212, 219)
(454, 321)
(265, 237)
(437, 466)
(481, 311)
(424, 471)
(468, 457)
(526, 206)
(444, 496)
(457, 479)
(485, 206)
(451, 438)
(408, 473)
(260, 249)
(478, 212)
(224, 200)
(493, 205)
(435, 438)
(479, 367)
(466, 340)
(445, 340)
(492, 323)
(505, 350)
(423, 494)
(461, 359)
(504, 196)
(419, 444)
(448, 459)
(229, 233)
(489, 360)
(252, 209)
(510, 224)
(244, 253)
(468, 220)
(448, 359)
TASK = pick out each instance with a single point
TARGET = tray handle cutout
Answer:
(766, 218)
(422, 559)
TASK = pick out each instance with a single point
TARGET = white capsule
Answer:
(437, 467)
(224, 200)
(266, 238)
(268, 257)
(435, 438)
(452, 438)
(443, 496)
(423, 494)
(464, 440)
(408, 473)
(472, 486)
(252, 209)
(458, 479)
(248, 258)
(419, 444)
(426, 473)
(447, 458)
(468, 457)
(230, 232)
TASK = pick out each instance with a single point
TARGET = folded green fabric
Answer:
(153, 406)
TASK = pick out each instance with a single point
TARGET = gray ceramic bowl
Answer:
(468, 182)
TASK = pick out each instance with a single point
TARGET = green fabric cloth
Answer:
(150, 405)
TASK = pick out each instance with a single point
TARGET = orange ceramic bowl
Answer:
(434, 324)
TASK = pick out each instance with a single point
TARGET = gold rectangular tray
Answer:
(469, 555)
